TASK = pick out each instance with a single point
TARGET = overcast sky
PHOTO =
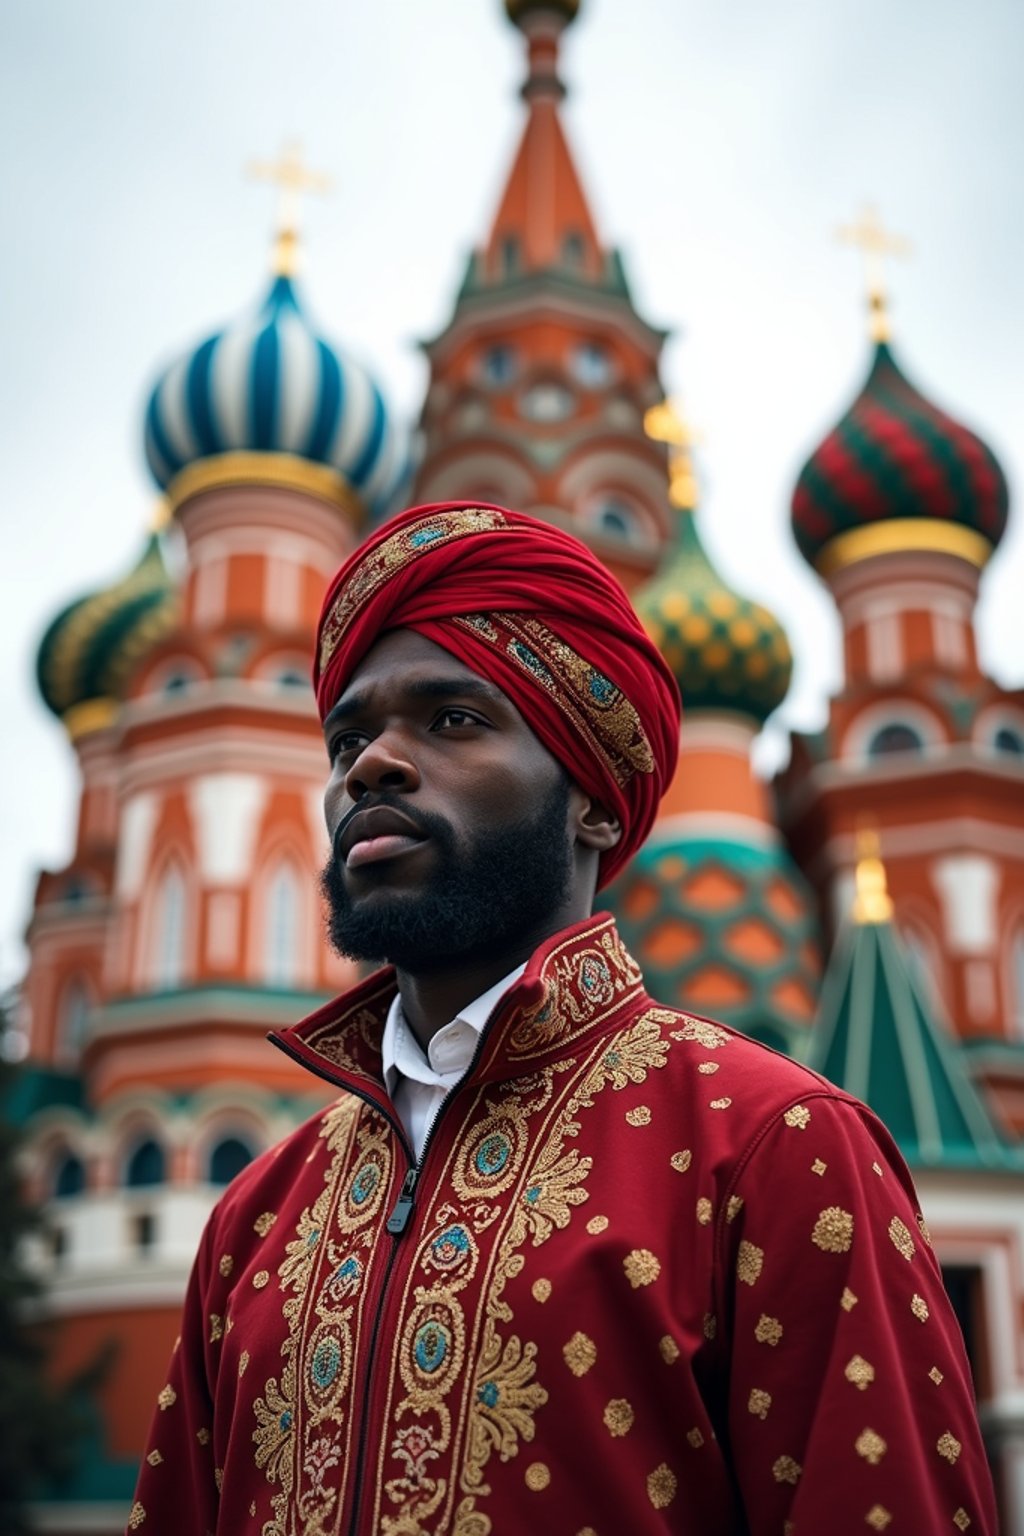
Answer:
(721, 144)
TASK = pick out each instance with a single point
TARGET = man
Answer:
(559, 1258)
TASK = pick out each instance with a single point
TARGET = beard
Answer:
(478, 901)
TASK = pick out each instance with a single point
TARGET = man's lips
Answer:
(377, 833)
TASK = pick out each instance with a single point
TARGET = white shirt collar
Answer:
(452, 1048)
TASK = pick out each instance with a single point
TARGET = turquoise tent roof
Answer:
(876, 1037)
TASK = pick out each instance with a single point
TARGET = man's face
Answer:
(450, 821)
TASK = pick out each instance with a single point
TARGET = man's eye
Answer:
(345, 744)
(454, 718)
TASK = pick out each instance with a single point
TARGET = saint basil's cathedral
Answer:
(865, 912)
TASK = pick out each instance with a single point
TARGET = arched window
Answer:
(572, 249)
(499, 365)
(1008, 739)
(228, 1158)
(69, 1177)
(510, 255)
(281, 947)
(145, 1165)
(169, 929)
(72, 1015)
(894, 737)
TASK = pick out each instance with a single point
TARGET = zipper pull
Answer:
(399, 1218)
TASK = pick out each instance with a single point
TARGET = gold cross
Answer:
(293, 178)
(664, 423)
(876, 242)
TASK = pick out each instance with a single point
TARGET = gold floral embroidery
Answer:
(694, 1438)
(392, 555)
(137, 1516)
(505, 1399)
(734, 1207)
(669, 1349)
(618, 1417)
(871, 1446)
(759, 1402)
(639, 1116)
(949, 1447)
(226, 1264)
(216, 1327)
(709, 1068)
(877, 1168)
(798, 1118)
(859, 1373)
(203, 1436)
(878, 1517)
(167, 1397)
(263, 1224)
(919, 1307)
(922, 1227)
(720, 1103)
(661, 1486)
(961, 1519)
(642, 1268)
(243, 1361)
(749, 1262)
(537, 1476)
(847, 1300)
(833, 1230)
(818, 1167)
(218, 1477)
(154, 1458)
(768, 1330)
(705, 1210)
(629, 1057)
(786, 1470)
(709, 1325)
(681, 1160)
(260, 1279)
(900, 1238)
(541, 1290)
(710, 1036)
(936, 1375)
(597, 1224)
(580, 1354)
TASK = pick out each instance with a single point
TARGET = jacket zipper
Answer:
(396, 1224)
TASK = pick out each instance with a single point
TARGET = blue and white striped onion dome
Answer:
(269, 384)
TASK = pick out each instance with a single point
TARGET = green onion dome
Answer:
(897, 473)
(726, 928)
(89, 649)
(726, 651)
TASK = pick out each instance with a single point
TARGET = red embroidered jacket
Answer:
(647, 1277)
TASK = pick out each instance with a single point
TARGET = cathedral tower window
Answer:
(72, 1016)
(227, 1159)
(145, 1164)
(282, 939)
(68, 1177)
(894, 737)
(169, 929)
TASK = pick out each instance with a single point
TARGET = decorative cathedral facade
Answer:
(864, 913)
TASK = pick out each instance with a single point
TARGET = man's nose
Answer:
(386, 762)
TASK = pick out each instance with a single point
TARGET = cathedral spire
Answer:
(543, 221)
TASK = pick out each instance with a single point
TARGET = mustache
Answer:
(425, 822)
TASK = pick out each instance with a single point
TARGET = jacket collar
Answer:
(578, 981)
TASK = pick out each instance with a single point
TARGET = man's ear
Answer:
(595, 826)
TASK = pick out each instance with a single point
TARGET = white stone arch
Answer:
(991, 720)
(863, 729)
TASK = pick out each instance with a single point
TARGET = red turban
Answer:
(528, 607)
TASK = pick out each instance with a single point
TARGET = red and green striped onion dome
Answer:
(726, 651)
(90, 648)
(897, 473)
